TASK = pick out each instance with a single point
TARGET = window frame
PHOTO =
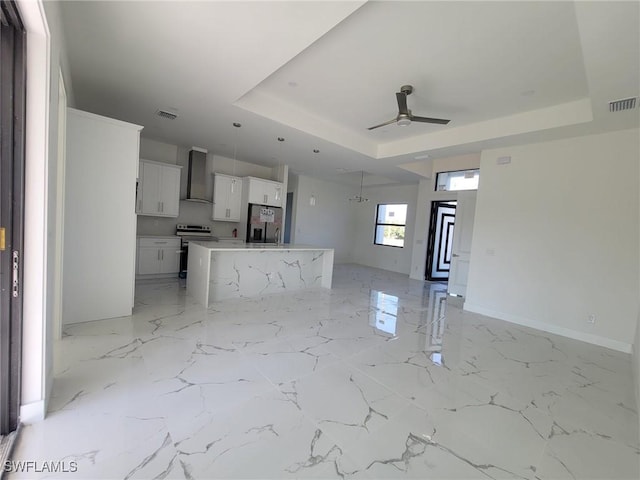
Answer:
(378, 224)
(435, 187)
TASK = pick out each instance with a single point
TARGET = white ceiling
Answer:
(318, 73)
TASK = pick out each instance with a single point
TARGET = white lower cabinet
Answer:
(158, 255)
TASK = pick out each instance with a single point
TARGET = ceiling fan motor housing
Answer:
(406, 89)
(403, 119)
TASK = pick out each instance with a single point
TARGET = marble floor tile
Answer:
(379, 377)
(345, 403)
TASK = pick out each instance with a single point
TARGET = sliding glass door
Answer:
(12, 116)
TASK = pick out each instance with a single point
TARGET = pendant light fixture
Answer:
(280, 142)
(313, 197)
(359, 198)
(280, 174)
(235, 146)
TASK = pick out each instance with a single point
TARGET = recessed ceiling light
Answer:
(421, 157)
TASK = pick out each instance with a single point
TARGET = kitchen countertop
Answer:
(157, 236)
(239, 247)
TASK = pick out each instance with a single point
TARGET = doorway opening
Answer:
(440, 242)
(287, 218)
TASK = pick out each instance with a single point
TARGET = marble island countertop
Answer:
(218, 271)
(241, 246)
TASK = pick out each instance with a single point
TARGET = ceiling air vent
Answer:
(167, 115)
(624, 104)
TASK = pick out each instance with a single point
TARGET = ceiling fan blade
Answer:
(383, 124)
(402, 103)
(440, 121)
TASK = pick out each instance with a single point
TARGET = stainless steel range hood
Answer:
(197, 176)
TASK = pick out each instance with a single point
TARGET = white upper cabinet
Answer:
(264, 192)
(227, 198)
(158, 189)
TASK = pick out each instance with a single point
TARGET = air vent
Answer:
(167, 115)
(624, 104)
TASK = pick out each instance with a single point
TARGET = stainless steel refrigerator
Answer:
(264, 224)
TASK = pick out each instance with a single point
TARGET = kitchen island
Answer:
(218, 271)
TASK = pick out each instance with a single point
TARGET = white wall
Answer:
(380, 256)
(636, 363)
(428, 194)
(158, 151)
(636, 343)
(562, 219)
(327, 224)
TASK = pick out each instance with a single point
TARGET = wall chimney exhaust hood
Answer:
(197, 176)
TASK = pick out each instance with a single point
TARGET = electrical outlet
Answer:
(592, 318)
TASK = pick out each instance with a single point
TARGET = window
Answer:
(391, 220)
(459, 180)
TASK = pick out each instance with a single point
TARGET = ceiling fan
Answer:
(405, 117)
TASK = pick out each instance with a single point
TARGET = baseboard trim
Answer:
(547, 327)
(32, 412)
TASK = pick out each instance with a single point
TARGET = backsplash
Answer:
(192, 213)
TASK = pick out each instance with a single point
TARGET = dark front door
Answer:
(443, 216)
(12, 115)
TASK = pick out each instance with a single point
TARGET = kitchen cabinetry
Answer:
(158, 255)
(264, 192)
(227, 198)
(99, 217)
(158, 189)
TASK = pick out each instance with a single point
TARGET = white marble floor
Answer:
(380, 377)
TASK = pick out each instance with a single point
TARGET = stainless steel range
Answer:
(191, 233)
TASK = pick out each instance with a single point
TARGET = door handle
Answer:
(455, 255)
(15, 289)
